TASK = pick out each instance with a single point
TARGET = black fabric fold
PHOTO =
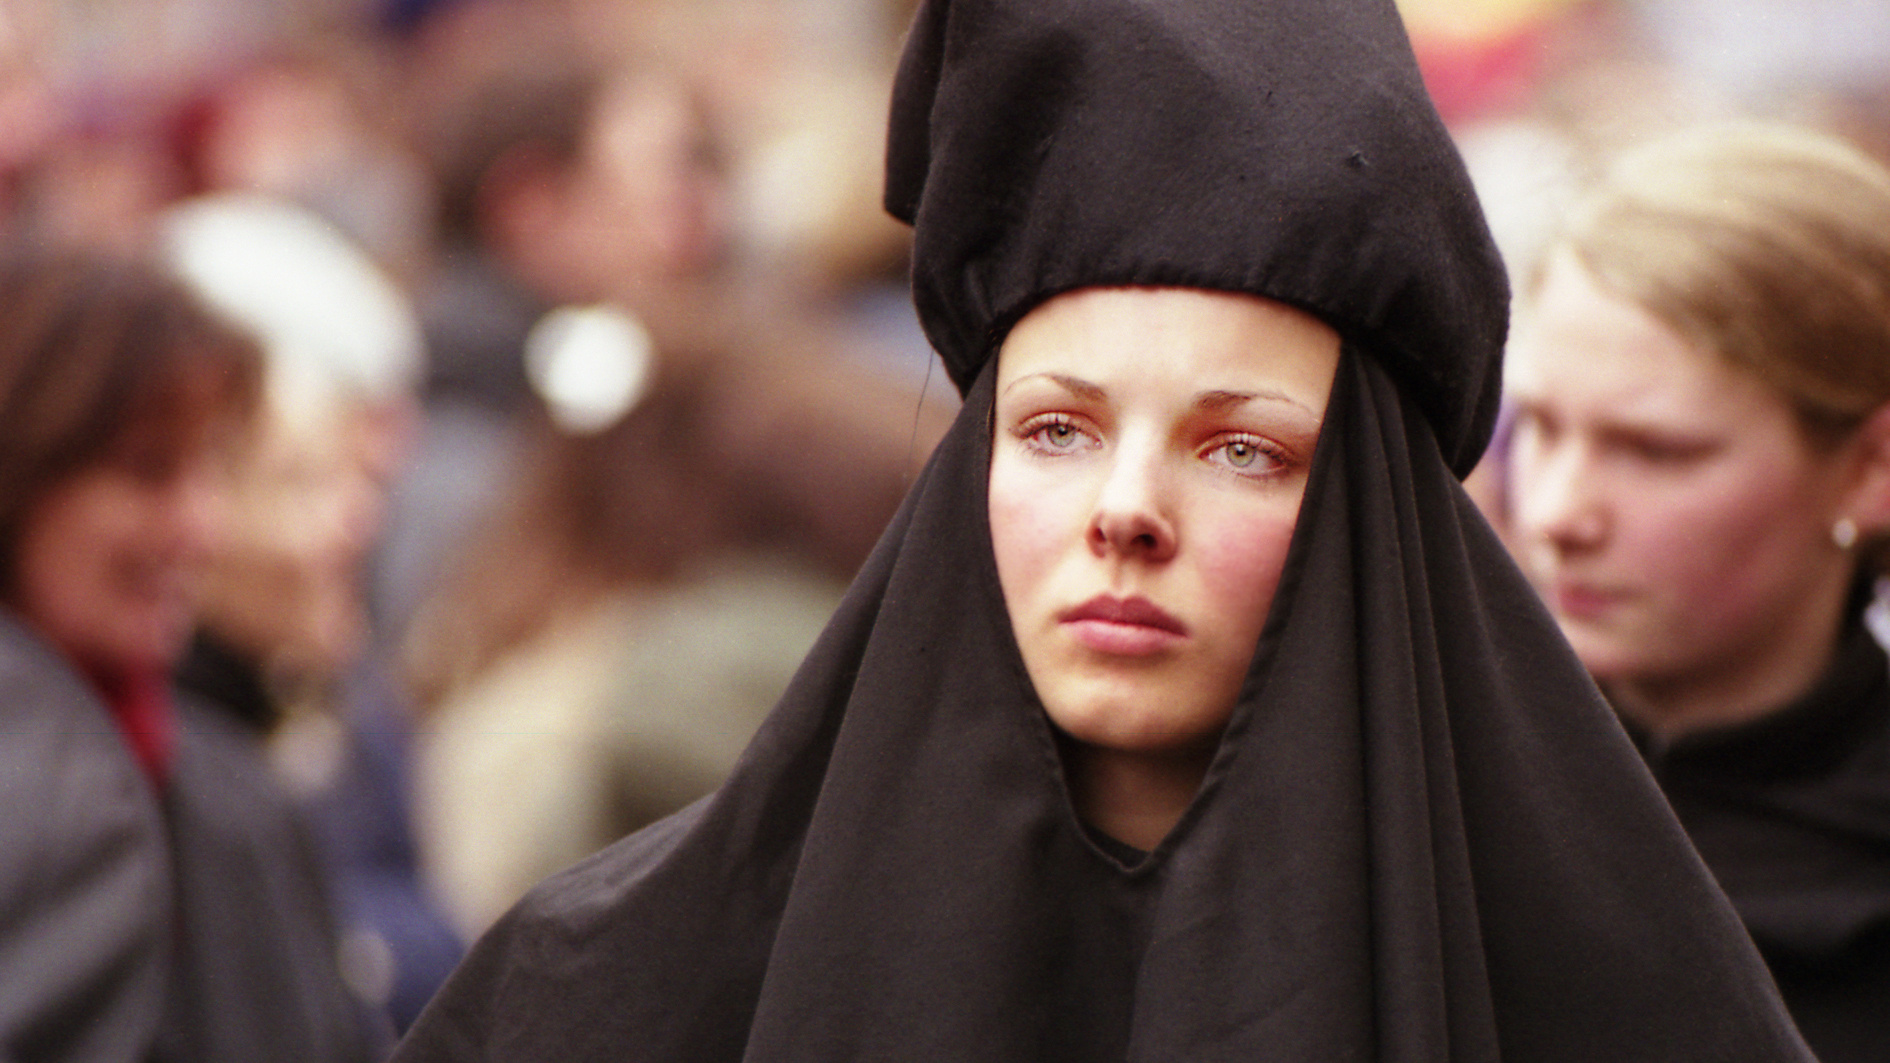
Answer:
(1424, 837)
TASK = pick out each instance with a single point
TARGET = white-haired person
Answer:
(286, 651)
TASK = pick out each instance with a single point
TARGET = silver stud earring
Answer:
(1844, 533)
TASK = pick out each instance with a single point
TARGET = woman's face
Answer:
(109, 563)
(1151, 447)
(1665, 503)
(647, 205)
(286, 583)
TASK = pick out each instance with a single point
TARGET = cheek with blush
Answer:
(1035, 520)
(1240, 560)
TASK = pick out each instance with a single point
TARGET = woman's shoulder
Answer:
(591, 963)
(594, 890)
(63, 751)
(85, 877)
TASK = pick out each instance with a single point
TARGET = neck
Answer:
(1746, 686)
(1135, 798)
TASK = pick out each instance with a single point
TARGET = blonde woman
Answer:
(1700, 477)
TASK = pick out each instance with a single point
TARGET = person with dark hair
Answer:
(1188, 710)
(1700, 484)
(157, 898)
(116, 393)
(563, 183)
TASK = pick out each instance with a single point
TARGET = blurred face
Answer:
(1667, 505)
(647, 206)
(110, 562)
(1151, 447)
(286, 584)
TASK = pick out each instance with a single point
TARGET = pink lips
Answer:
(1124, 626)
(1578, 601)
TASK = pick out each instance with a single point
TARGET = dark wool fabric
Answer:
(1423, 836)
(255, 972)
(142, 927)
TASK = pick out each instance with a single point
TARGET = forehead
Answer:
(1192, 336)
(637, 113)
(1581, 348)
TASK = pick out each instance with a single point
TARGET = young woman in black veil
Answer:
(1188, 709)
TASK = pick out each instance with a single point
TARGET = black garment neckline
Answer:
(1806, 736)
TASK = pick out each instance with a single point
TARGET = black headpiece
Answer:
(1287, 150)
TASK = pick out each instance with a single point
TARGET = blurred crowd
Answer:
(437, 429)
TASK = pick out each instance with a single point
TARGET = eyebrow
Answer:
(1077, 386)
(1224, 400)
(1215, 400)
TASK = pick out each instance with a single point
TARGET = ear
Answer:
(1867, 498)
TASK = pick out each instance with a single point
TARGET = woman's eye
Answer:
(1669, 453)
(1661, 450)
(1245, 455)
(1054, 436)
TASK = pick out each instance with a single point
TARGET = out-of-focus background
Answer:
(111, 106)
(592, 376)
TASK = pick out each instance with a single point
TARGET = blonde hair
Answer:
(1766, 244)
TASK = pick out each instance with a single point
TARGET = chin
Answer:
(150, 651)
(1125, 725)
(1604, 658)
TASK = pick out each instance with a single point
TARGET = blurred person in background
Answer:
(158, 900)
(605, 648)
(308, 121)
(284, 647)
(601, 654)
(561, 183)
(28, 111)
(1700, 483)
(561, 657)
(97, 182)
(571, 180)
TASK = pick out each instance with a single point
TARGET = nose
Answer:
(1133, 516)
(199, 511)
(1558, 496)
(354, 508)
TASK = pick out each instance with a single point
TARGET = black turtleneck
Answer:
(227, 679)
(1792, 813)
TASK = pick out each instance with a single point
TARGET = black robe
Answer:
(1423, 837)
(1792, 813)
(345, 842)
